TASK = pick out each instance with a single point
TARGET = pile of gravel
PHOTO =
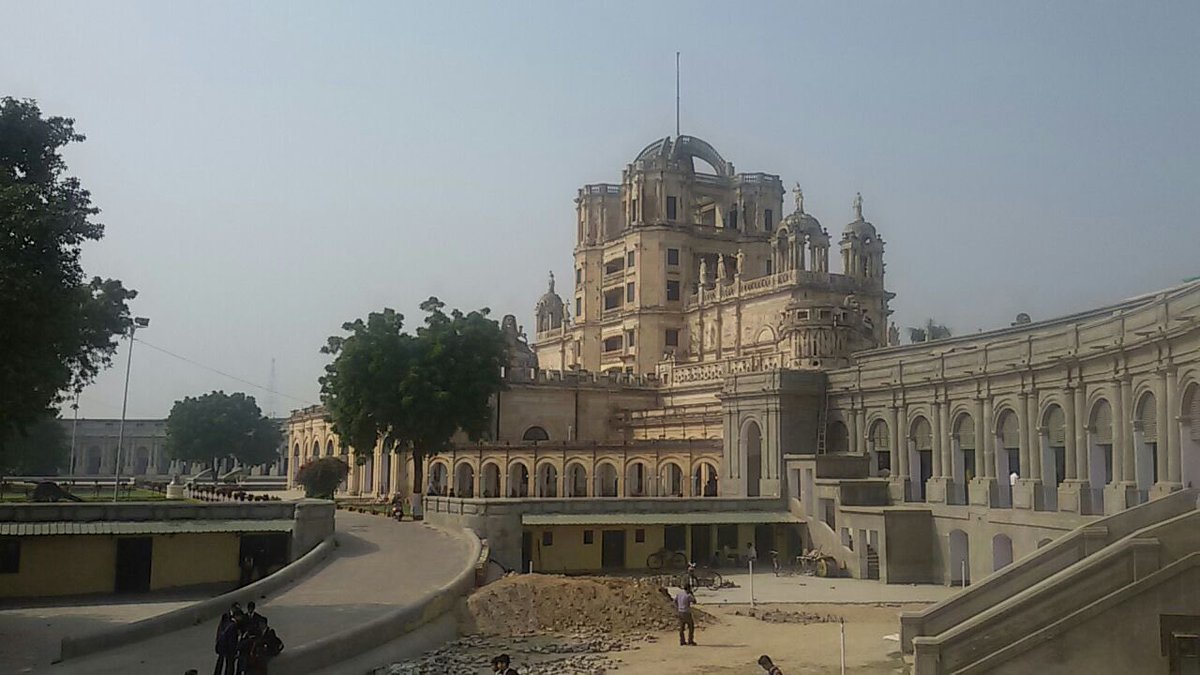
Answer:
(537, 603)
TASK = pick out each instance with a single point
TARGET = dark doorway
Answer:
(262, 554)
(926, 472)
(612, 549)
(675, 538)
(526, 550)
(764, 540)
(133, 564)
(795, 542)
(701, 544)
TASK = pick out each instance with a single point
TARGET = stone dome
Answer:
(803, 223)
(861, 229)
(686, 147)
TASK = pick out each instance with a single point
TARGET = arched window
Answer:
(535, 434)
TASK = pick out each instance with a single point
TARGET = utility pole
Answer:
(74, 429)
(138, 322)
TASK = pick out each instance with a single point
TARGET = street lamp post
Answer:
(138, 322)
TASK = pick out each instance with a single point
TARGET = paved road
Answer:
(379, 564)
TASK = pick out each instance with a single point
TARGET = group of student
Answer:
(683, 608)
(245, 642)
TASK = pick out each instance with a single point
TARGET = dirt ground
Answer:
(802, 639)
(733, 643)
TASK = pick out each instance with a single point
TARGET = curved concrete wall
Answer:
(376, 635)
(193, 614)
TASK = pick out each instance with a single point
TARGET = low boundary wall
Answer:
(378, 634)
(185, 617)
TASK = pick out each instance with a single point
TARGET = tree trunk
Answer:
(418, 481)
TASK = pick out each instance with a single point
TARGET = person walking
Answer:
(683, 607)
(768, 665)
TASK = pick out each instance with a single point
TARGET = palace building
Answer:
(710, 380)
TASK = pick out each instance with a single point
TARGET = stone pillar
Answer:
(898, 488)
(1027, 493)
(852, 431)
(937, 489)
(1073, 491)
(983, 490)
(1127, 414)
(1122, 492)
(938, 470)
(1082, 462)
(1035, 438)
(988, 439)
(863, 431)
(1069, 434)
(1173, 434)
(1167, 453)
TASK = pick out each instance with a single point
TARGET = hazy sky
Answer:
(269, 170)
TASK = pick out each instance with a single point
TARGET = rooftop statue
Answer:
(551, 281)
(858, 206)
(799, 194)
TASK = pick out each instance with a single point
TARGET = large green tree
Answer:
(214, 426)
(413, 390)
(40, 449)
(58, 329)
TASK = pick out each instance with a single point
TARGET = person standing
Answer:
(751, 552)
(227, 641)
(683, 607)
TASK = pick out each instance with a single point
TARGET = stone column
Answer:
(1072, 492)
(1027, 493)
(1173, 433)
(938, 487)
(936, 430)
(852, 432)
(980, 432)
(863, 431)
(1069, 434)
(899, 484)
(1127, 413)
(1036, 456)
(1121, 493)
(1168, 452)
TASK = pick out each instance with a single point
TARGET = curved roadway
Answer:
(378, 565)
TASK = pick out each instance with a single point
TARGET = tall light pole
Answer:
(138, 322)
(74, 428)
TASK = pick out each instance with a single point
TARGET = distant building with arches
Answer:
(710, 380)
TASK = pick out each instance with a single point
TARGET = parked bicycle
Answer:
(701, 577)
(672, 560)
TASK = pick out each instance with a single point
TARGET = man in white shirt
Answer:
(683, 607)
(751, 552)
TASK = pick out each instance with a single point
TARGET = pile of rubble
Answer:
(552, 625)
(535, 603)
(785, 616)
(583, 653)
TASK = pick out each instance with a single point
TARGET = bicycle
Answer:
(672, 560)
(701, 578)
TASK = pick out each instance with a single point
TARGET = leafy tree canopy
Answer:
(59, 329)
(414, 390)
(218, 425)
(321, 477)
(41, 449)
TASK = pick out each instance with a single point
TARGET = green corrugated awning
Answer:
(68, 527)
(700, 518)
